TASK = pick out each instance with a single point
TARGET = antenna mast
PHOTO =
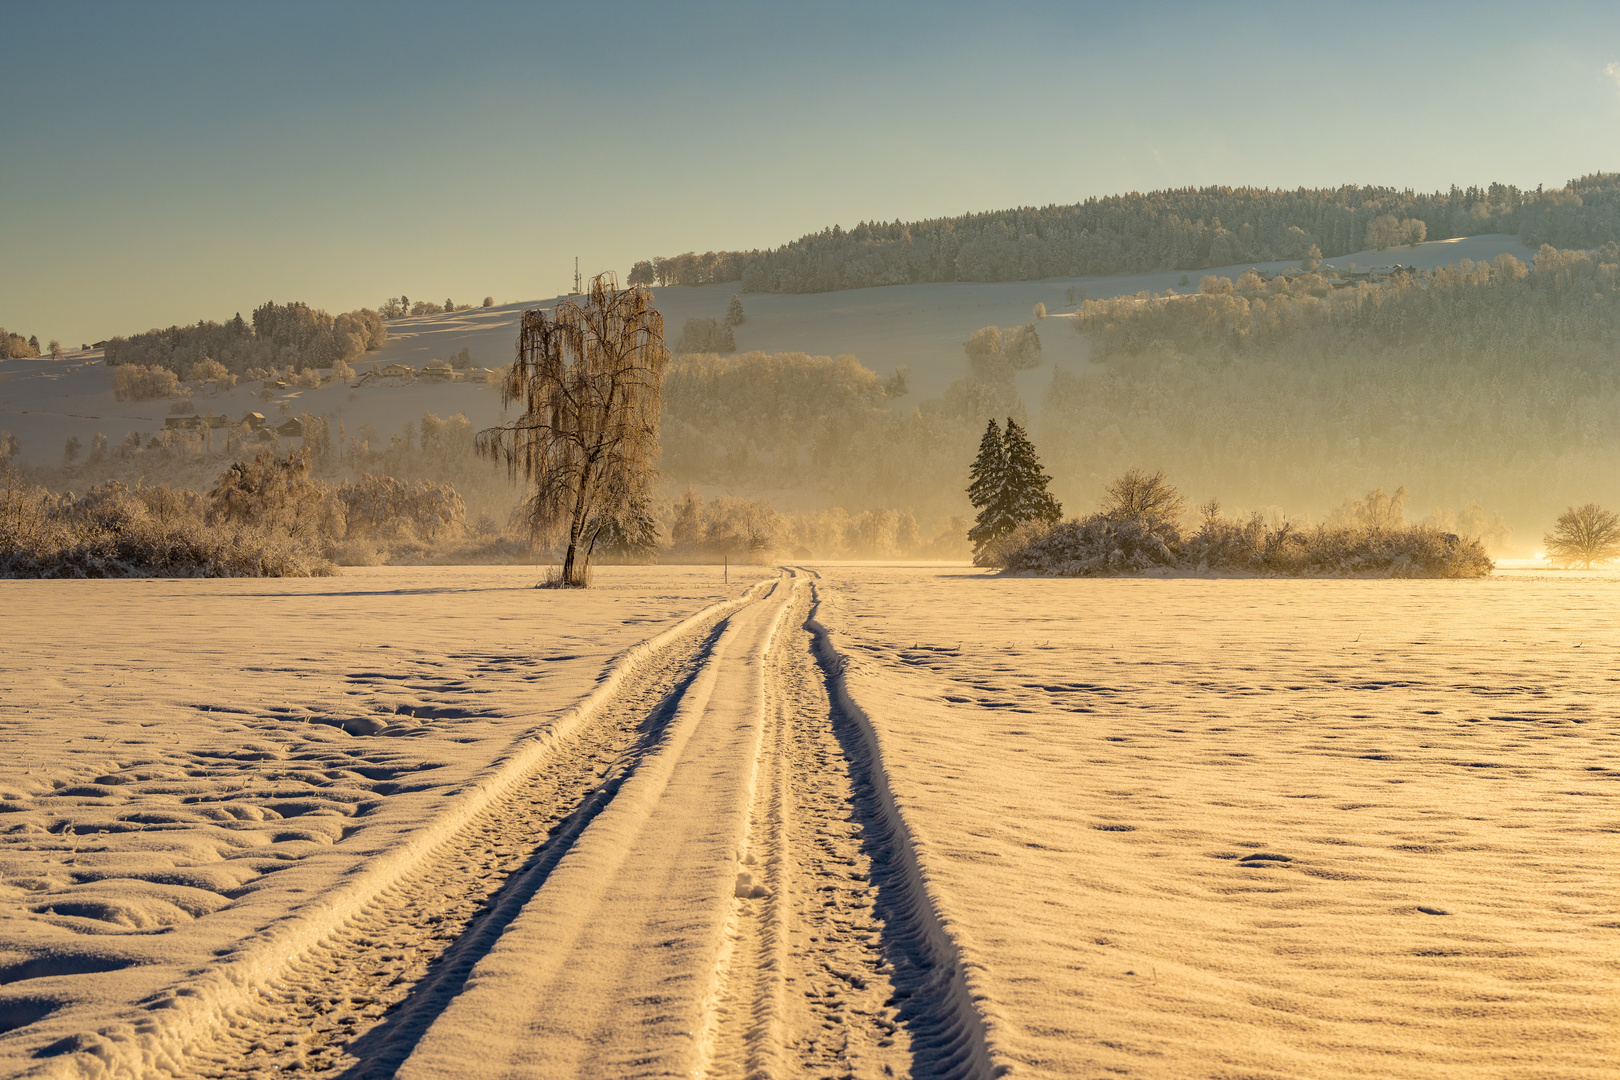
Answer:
(578, 285)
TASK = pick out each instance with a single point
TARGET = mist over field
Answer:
(1475, 372)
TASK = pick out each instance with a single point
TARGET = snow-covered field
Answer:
(849, 820)
(185, 763)
(43, 403)
(1197, 828)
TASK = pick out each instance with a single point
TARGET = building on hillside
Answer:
(292, 428)
(254, 420)
(400, 371)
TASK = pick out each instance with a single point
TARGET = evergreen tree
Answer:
(734, 311)
(1027, 498)
(987, 490)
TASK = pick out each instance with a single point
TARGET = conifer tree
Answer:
(734, 311)
(987, 489)
(1027, 497)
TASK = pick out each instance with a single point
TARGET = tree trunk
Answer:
(576, 570)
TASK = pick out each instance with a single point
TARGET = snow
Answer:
(1043, 827)
(179, 785)
(1196, 828)
(575, 987)
(922, 326)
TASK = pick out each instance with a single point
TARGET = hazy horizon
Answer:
(184, 162)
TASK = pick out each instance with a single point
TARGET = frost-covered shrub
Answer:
(278, 493)
(1093, 546)
(382, 507)
(114, 531)
(1097, 546)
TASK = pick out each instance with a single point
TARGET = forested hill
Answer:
(1181, 229)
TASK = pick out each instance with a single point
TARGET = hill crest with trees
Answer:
(1177, 229)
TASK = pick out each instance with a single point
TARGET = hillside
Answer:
(1181, 229)
(43, 403)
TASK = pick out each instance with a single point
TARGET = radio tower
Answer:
(578, 285)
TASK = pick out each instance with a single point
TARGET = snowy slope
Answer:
(921, 326)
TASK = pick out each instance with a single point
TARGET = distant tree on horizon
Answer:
(641, 273)
(705, 336)
(1584, 535)
(1181, 229)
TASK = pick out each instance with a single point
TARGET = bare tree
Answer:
(1148, 496)
(1584, 535)
(590, 379)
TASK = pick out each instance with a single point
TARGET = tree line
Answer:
(1178, 229)
(280, 335)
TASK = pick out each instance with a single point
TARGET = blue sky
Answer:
(165, 162)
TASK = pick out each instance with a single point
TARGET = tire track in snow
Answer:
(612, 968)
(936, 1006)
(837, 964)
(354, 1005)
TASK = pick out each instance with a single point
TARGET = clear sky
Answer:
(166, 162)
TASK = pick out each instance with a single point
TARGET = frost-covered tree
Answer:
(70, 453)
(589, 377)
(1584, 535)
(630, 534)
(1007, 485)
(1147, 497)
(734, 312)
(1025, 481)
(997, 353)
(705, 336)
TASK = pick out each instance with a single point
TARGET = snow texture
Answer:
(1192, 828)
(203, 779)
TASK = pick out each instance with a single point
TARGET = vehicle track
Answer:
(355, 1006)
(836, 971)
(834, 963)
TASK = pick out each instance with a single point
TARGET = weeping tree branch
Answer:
(590, 379)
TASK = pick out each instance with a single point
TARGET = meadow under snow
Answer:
(1174, 827)
(185, 763)
(1207, 828)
